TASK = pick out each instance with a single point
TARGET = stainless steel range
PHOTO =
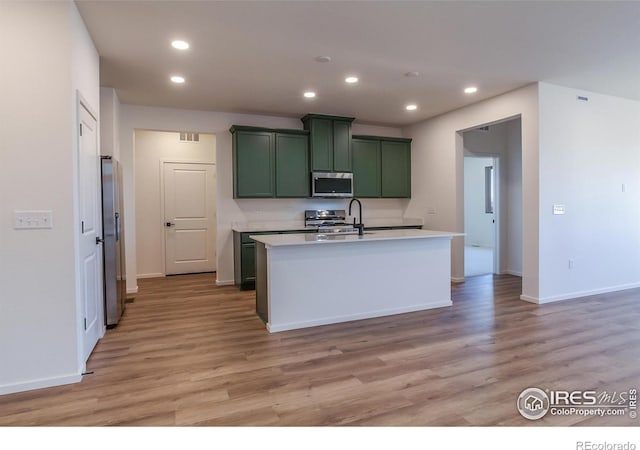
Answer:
(328, 221)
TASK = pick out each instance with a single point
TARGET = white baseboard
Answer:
(457, 279)
(513, 272)
(39, 384)
(579, 294)
(359, 316)
(150, 275)
(526, 298)
(225, 282)
(132, 290)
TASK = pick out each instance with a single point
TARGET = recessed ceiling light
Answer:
(470, 90)
(309, 94)
(411, 107)
(323, 59)
(177, 79)
(180, 45)
(411, 74)
(351, 79)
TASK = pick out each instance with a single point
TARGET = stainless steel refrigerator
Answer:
(115, 290)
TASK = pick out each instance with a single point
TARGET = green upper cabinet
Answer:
(395, 157)
(253, 162)
(270, 163)
(330, 142)
(277, 163)
(381, 167)
(292, 165)
(366, 167)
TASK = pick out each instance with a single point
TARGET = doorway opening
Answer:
(176, 208)
(481, 246)
(493, 198)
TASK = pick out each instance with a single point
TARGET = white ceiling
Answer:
(259, 56)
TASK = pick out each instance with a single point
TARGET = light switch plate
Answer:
(558, 210)
(30, 220)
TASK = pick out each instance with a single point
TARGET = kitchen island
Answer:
(305, 280)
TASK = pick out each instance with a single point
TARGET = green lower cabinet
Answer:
(244, 256)
(395, 159)
(292, 165)
(366, 167)
(248, 255)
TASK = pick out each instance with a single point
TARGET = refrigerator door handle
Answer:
(117, 216)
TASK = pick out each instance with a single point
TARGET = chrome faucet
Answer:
(359, 226)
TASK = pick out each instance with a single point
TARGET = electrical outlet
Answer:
(30, 220)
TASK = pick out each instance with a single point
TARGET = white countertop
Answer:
(279, 240)
(248, 227)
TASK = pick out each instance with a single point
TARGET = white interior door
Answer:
(189, 217)
(90, 232)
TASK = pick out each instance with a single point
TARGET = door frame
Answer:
(82, 102)
(164, 161)
(496, 206)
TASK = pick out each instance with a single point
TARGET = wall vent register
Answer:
(188, 136)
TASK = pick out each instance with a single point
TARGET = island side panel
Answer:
(262, 299)
(320, 284)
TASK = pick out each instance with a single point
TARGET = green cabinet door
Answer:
(321, 138)
(253, 165)
(366, 167)
(292, 165)
(330, 142)
(342, 146)
(395, 157)
(248, 269)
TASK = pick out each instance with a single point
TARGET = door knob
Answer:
(99, 240)
(169, 224)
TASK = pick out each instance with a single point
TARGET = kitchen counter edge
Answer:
(280, 240)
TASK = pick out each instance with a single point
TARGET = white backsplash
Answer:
(287, 210)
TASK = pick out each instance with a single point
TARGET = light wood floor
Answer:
(190, 353)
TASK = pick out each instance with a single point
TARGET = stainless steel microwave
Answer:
(331, 184)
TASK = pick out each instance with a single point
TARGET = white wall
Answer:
(153, 147)
(437, 172)
(512, 261)
(588, 150)
(230, 210)
(504, 141)
(478, 224)
(39, 299)
(109, 122)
